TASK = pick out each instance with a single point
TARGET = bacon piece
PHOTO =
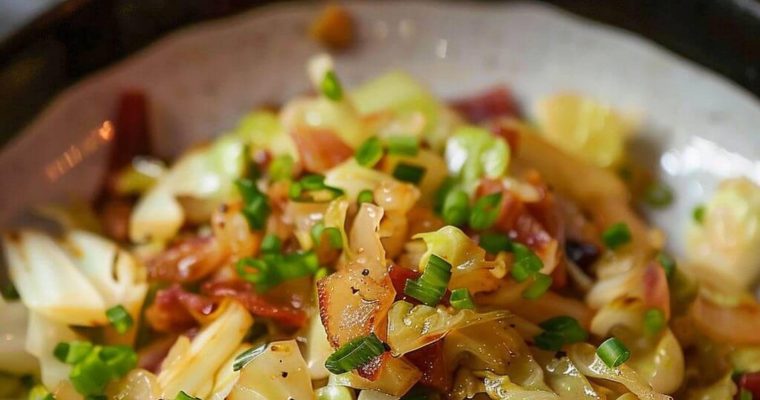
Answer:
(496, 102)
(173, 309)
(751, 383)
(507, 128)
(151, 356)
(398, 276)
(429, 360)
(320, 149)
(255, 303)
(188, 260)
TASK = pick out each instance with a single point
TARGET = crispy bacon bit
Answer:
(429, 360)
(255, 303)
(187, 260)
(496, 102)
(173, 309)
(320, 149)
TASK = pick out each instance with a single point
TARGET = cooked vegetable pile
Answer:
(378, 243)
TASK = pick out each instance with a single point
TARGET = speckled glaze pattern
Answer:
(696, 126)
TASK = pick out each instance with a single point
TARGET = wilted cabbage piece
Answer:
(723, 246)
(565, 380)
(470, 269)
(352, 178)
(502, 388)
(278, 372)
(473, 153)
(412, 327)
(14, 358)
(191, 365)
(43, 334)
(263, 130)
(395, 378)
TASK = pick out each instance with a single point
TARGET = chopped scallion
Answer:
(495, 242)
(541, 283)
(667, 263)
(616, 235)
(403, 145)
(119, 318)
(370, 152)
(72, 352)
(568, 328)
(331, 86)
(526, 263)
(354, 354)
(456, 207)
(699, 214)
(549, 341)
(281, 168)
(658, 195)
(271, 244)
(334, 237)
(409, 172)
(316, 232)
(247, 356)
(294, 190)
(9, 292)
(425, 294)
(255, 203)
(313, 182)
(613, 352)
(461, 299)
(485, 211)
(654, 321)
(365, 196)
(430, 287)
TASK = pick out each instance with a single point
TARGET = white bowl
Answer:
(698, 127)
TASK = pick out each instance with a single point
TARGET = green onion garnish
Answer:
(313, 182)
(294, 190)
(485, 211)
(72, 352)
(495, 242)
(409, 172)
(93, 367)
(403, 145)
(370, 152)
(654, 321)
(616, 235)
(456, 207)
(440, 194)
(526, 263)
(271, 244)
(541, 283)
(354, 354)
(365, 196)
(331, 87)
(613, 352)
(256, 204)
(316, 232)
(699, 214)
(568, 328)
(667, 263)
(281, 168)
(430, 287)
(184, 396)
(321, 273)
(658, 195)
(271, 269)
(461, 298)
(9, 292)
(119, 318)
(334, 237)
(245, 357)
(549, 341)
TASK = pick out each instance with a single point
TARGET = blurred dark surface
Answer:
(78, 37)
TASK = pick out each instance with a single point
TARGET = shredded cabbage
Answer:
(473, 153)
(279, 372)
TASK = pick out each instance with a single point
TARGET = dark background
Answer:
(77, 37)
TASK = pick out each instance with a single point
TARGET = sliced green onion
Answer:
(461, 298)
(409, 172)
(354, 354)
(39, 392)
(256, 204)
(119, 318)
(331, 87)
(365, 196)
(91, 375)
(613, 352)
(271, 244)
(334, 237)
(184, 396)
(550, 341)
(425, 294)
(495, 242)
(316, 232)
(526, 263)
(699, 214)
(456, 207)
(313, 182)
(616, 235)
(93, 367)
(321, 273)
(281, 168)
(294, 190)
(541, 283)
(485, 211)
(370, 152)
(403, 145)
(9, 292)
(120, 359)
(568, 328)
(247, 356)
(72, 352)
(654, 321)
(667, 263)
(658, 195)
(745, 394)
(431, 285)
(440, 194)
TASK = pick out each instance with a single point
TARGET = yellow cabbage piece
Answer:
(279, 372)
(565, 380)
(43, 334)
(352, 178)
(432, 162)
(469, 269)
(590, 130)
(502, 388)
(191, 366)
(412, 327)
(396, 378)
(723, 248)
(264, 131)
